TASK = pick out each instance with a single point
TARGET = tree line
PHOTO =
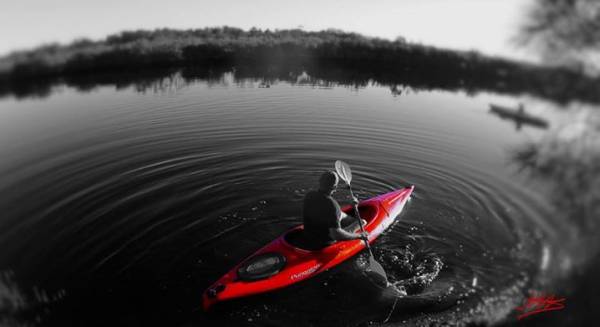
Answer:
(332, 54)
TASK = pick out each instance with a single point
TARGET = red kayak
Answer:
(280, 264)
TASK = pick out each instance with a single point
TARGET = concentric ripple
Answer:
(132, 203)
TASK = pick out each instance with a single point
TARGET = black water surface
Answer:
(120, 205)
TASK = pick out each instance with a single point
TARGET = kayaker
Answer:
(323, 218)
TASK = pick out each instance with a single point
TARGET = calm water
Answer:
(120, 206)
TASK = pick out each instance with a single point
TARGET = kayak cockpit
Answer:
(368, 211)
(296, 239)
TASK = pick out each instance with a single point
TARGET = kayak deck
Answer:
(379, 212)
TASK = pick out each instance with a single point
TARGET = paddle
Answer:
(345, 173)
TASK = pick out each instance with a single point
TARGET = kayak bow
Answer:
(280, 264)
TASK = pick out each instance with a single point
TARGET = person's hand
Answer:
(363, 236)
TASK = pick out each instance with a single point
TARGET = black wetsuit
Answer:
(321, 212)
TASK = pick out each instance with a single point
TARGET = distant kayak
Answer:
(282, 262)
(519, 116)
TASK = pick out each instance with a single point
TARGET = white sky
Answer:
(484, 25)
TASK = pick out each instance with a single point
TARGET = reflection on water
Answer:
(568, 157)
(567, 161)
(558, 86)
(124, 204)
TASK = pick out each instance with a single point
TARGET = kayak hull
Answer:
(379, 212)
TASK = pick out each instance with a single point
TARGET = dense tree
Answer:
(565, 32)
(334, 52)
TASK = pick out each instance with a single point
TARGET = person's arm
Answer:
(339, 234)
(343, 215)
(335, 229)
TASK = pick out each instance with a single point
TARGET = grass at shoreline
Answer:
(389, 61)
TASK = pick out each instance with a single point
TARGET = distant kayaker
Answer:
(323, 218)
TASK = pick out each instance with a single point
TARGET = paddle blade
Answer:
(344, 171)
(376, 268)
(375, 273)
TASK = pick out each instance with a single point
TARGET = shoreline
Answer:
(331, 55)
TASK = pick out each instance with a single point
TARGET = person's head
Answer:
(328, 181)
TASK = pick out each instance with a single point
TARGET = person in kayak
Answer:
(323, 218)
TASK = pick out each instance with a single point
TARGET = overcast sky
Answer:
(485, 25)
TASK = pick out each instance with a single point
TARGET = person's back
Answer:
(321, 213)
(322, 216)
